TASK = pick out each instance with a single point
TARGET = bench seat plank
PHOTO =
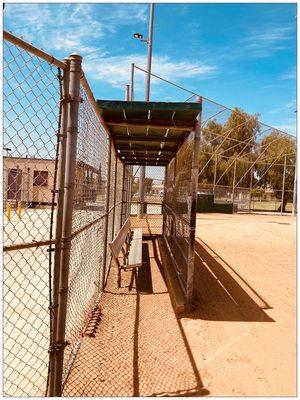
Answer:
(135, 252)
(119, 240)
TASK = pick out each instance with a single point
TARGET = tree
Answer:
(234, 138)
(273, 150)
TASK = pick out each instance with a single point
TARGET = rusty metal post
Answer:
(107, 212)
(193, 197)
(69, 183)
(283, 186)
(59, 220)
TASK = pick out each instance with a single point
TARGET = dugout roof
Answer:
(148, 133)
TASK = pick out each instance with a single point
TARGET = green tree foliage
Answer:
(274, 148)
(226, 140)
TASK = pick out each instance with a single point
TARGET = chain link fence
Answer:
(31, 99)
(177, 209)
(88, 226)
(244, 162)
(42, 261)
(154, 194)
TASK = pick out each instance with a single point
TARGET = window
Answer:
(40, 178)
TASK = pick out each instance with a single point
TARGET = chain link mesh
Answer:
(177, 207)
(242, 161)
(154, 192)
(88, 225)
(31, 97)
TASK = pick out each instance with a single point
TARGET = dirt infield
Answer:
(240, 339)
(243, 331)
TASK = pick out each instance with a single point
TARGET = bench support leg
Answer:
(119, 277)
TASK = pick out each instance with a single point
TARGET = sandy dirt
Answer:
(243, 332)
(240, 340)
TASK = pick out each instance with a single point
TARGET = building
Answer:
(29, 180)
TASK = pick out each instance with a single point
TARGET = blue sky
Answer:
(236, 54)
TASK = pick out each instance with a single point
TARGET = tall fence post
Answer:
(59, 219)
(283, 186)
(69, 184)
(164, 200)
(250, 188)
(233, 182)
(115, 196)
(132, 83)
(215, 173)
(193, 194)
(107, 212)
(295, 191)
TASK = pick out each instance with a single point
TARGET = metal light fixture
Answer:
(140, 36)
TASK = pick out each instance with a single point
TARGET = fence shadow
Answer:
(221, 294)
(140, 348)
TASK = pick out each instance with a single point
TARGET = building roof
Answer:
(148, 133)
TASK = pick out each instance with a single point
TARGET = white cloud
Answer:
(116, 69)
(68, 27)
(267, 42)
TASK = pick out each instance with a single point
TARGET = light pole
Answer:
(149, 42)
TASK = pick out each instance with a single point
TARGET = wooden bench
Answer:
(129, 243)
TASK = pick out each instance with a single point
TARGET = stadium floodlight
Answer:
(138, 36)
(141, 37)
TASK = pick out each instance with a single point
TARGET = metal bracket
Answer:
(58, 346)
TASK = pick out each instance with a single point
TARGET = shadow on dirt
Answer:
(221, 294)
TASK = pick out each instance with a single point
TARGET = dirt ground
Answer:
(240, 340)
(243, 333)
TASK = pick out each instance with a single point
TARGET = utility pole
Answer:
(148, 79)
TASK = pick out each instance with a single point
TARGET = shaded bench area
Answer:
(140, 348)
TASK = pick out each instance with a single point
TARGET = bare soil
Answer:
(240, 339)
(243, 332)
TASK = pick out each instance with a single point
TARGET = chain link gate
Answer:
(65, 197)
(31, 109)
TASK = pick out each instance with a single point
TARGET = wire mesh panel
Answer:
(31, 99)
(118, 197)
(245, 162)
(88, 225)
(154, 190)
(177, 207)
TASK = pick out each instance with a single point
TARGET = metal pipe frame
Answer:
(107, 212)
(59, 218)
(193, 196)
(283, 186)
(68, 201)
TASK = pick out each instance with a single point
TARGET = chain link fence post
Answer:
(283, 187)
(69, 183)
(106, 212)
(62, 134)
(193, 211)
(294, 210)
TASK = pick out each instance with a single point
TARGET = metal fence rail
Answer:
(64, 200)
(245, 162)
(31, 99)
(88, 225)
